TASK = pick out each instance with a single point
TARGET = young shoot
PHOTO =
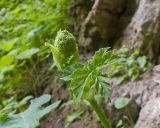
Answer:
(91, 78)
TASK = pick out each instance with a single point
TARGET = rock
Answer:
(114, 23)
(79, 10)
(149, 115)
(156, 69)
(140, 92)
(144, 28)
(105, 21)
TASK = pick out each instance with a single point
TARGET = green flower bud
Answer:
(64, 49)
(65, 42)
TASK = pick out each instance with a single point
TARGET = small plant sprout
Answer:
(91, 78)
(86, 80)
(122, 103)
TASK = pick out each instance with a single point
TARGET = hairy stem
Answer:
(100, 113)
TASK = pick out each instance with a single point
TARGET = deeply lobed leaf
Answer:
(30, 118)
(91, 79)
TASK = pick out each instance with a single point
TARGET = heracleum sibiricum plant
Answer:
(89, 79)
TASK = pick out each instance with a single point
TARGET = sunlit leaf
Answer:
(28, 53)
(8, 45)
(6, 60)
(121, 102)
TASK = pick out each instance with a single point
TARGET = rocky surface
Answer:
(105, 22)
(114, 23)
(79, 10)
(145, 99)
(149, 115)
(143, 110)
(144, 29)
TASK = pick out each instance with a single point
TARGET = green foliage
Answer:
(11, 106)
(29, 118)
(91, 78)
(70, 118)
(25, 26)
(121, 102)
(64, 49)
(120, 124)
(135, 65)
(27, 54)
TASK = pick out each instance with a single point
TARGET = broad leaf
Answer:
(30, 118)
(121, 102)
(28, 53)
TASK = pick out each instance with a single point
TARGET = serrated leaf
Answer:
(88, 80)
(68, 71)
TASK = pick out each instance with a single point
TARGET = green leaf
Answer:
(121, 102)
(25, 25)
(120, 124)
(70, 118)
(30, 118)
(89, 80)
(68, 71)
(8, 45)
(34, 31)
(28, 53)
(102, 57)
(121, 79)
(142, 61)
(6, 60)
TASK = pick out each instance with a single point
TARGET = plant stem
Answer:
(100, 113)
